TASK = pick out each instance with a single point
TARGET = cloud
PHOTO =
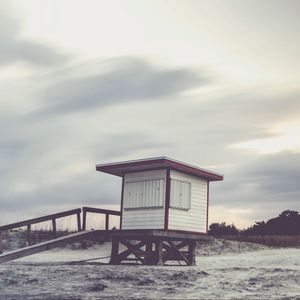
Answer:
(277, 175)
(225, 120)
(49, 162)
(118, 81)
(88, 188)
(130, 107)
(14, 48)
(197, 132)
(256, 188)
(263, 181)
(57, 169)
(125, 144)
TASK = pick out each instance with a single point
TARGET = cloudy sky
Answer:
(211, 83)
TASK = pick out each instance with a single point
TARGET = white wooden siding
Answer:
(144, 218)
(148, 218)
(193, 219)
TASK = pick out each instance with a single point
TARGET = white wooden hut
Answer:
(162, 193)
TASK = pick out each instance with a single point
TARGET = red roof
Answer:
(120, 168)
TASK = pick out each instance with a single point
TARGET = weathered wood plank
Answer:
(159, 253)
(1, 243)
(158, 233)
(54, 227)
(192, 253)
(78, 236)
(40, 219)
(114, 252)
(174, 250)
(79, 221)
(101, 211)
(84, 220)
(29, 235)
(106, 221)
(131, 248)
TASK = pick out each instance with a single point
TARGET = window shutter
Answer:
(180, 194)
(144, 194)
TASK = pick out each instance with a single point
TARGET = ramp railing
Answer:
(106, 212)
(29, 222)
(54, 217)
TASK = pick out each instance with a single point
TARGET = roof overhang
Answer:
(121, 168)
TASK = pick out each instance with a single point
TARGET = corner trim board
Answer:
(167, 202)
(122, 199)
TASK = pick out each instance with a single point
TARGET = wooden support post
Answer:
(106, 221)
(149, 256)
(29, 235)
(114, 260)
(1, 244)
(192, 253)
(84, 220)
(152, 250)
(159, 253)
(149, 246)
(78, 222)
(54, 227)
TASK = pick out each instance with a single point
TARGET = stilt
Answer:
(159, 253)
(152, 251)
(192, 253)
(114, 252)
(149, 255)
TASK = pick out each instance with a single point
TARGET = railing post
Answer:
(54, 227)
(29, 235)
(78, 222)
(1, 245)
(83, 219)
(106, 221)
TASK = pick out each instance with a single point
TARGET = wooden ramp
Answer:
(58, 242)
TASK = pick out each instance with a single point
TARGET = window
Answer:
(144, 194)
(180, 194)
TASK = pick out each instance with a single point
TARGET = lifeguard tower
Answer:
(164, 212)
(164, 206)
